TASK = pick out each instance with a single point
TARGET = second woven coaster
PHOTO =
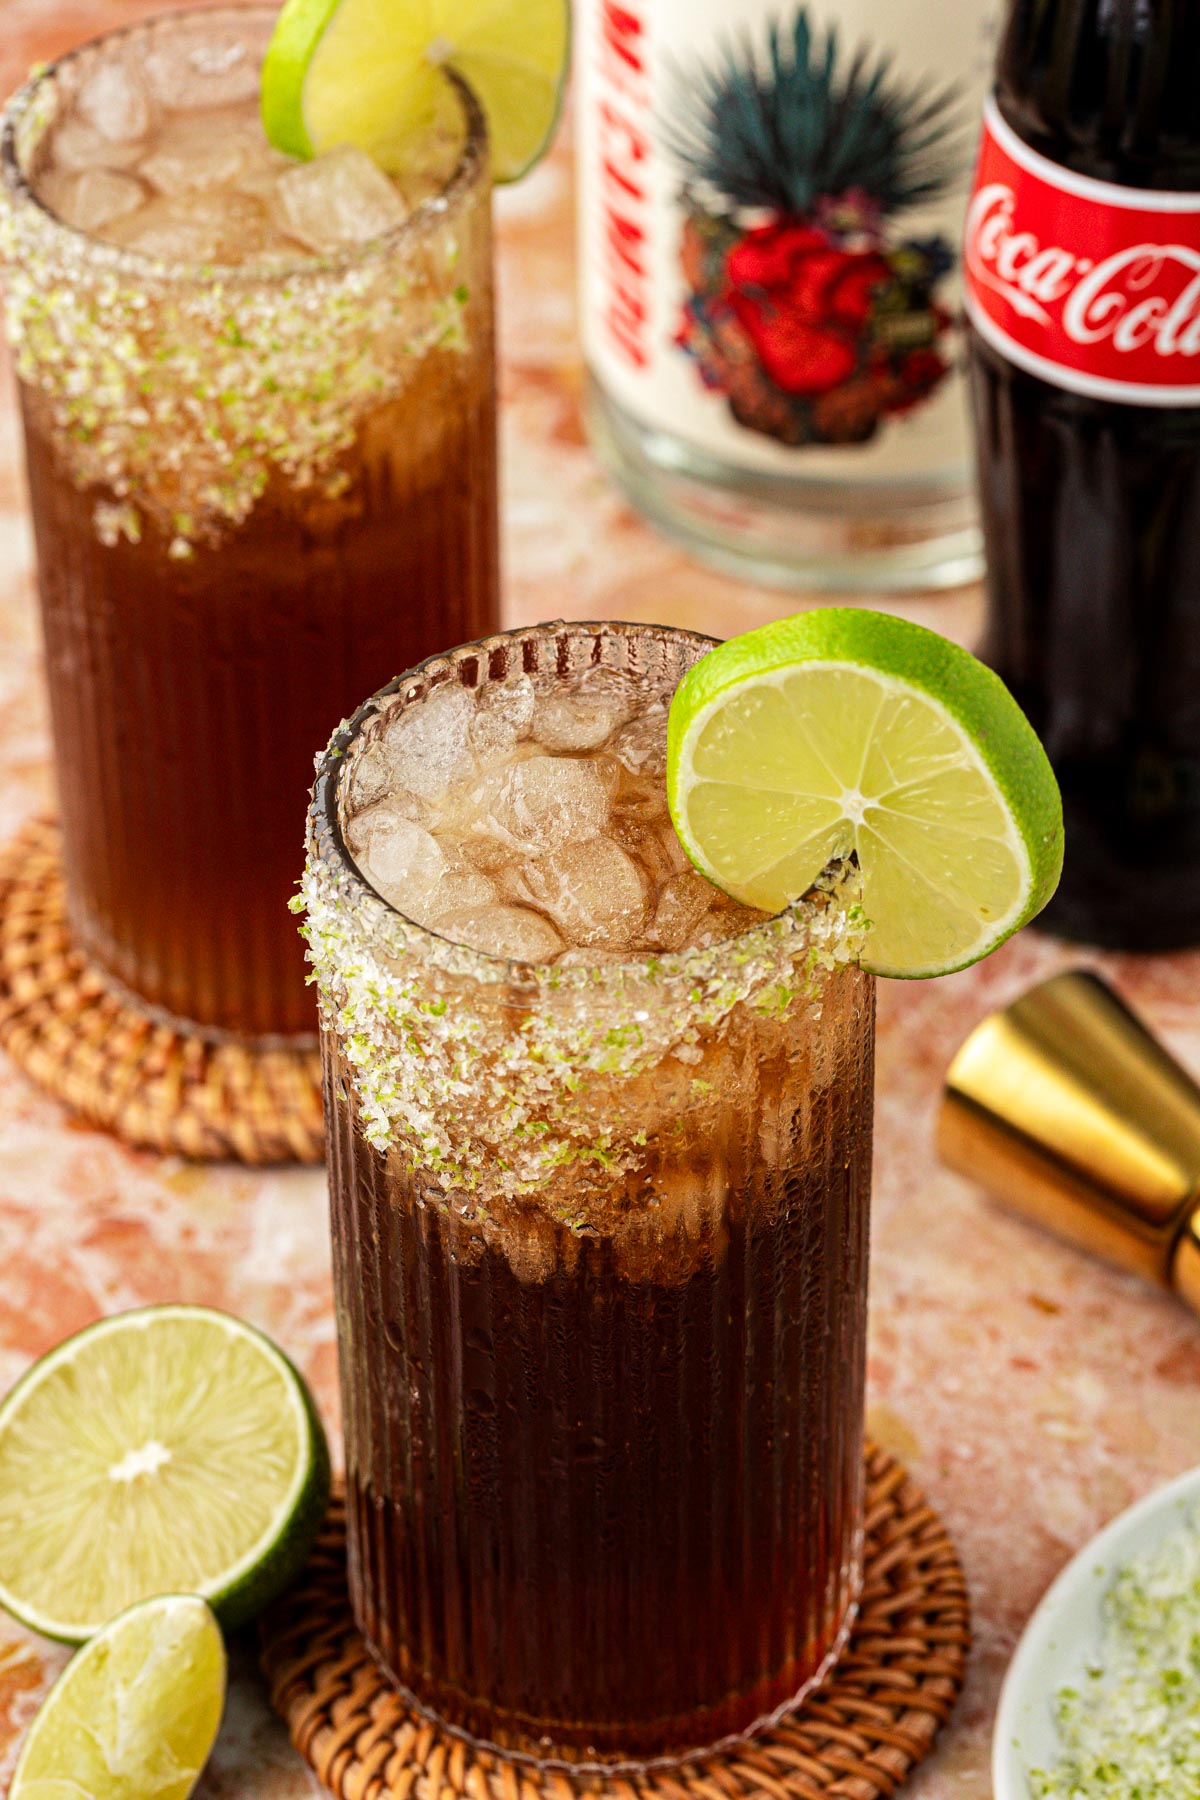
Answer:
(857, 1738)
(156, 1087)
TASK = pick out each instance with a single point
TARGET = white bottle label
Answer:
(769, 233)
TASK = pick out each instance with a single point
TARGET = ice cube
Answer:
(458, 890)
(642, 744)
(370, 780)
(585, 716)
(261, 166)
(402, 861)
(92, 198)
(546, 801)
(356, 829)
(113, 100)
(337, 199)
(511, 931)
(207, 151)
(683, 903)
(670, 848)
(502, 717)
(218, 227)
(213, 66)
(427, 748)
(595, 892)
(461, 804)
(78, 145)
(375, 800)
(647, 833)
(575, 721)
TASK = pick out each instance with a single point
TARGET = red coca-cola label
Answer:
(1092, 286)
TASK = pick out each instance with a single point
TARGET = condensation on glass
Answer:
(600, 1251)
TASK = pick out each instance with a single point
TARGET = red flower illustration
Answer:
(803, 302)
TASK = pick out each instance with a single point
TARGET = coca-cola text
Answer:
(1093, 287)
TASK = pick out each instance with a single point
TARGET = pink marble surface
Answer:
(1034, 1392)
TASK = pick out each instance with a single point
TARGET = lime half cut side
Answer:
(845, 731)
(169, 1450)
(135, 1714)
(371, 73)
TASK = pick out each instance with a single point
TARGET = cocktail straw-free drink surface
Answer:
(259, 417)
(600, 1154)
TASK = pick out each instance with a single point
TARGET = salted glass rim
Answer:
(451, 197)
(371, 919)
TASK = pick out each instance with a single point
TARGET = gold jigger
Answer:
(1067, 1108)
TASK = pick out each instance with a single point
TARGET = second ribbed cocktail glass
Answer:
(600, 1223)
(259, 407)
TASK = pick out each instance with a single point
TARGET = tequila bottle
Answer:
(770, 203)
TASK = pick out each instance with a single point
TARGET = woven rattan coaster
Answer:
(155, 1086)
(858, 1737)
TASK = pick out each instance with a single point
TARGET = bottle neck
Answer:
(1106, 87)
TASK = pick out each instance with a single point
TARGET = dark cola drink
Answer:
(1082, 265)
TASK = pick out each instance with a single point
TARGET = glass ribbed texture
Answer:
(605, 1480)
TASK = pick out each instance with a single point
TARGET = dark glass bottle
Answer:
(1091, 506)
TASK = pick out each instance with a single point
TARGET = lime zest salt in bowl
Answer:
(1101, 1612)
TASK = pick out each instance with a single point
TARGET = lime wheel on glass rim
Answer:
(846, 732)
(371, 73)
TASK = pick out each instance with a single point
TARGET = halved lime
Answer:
(369, 73)
(135, 1714)
(842, 730)
(164, 1451)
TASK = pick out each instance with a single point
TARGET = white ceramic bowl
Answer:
(1066, 1631)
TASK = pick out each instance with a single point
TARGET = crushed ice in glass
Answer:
(340, 198)
(89, 199)
(533, 824)
(114, 100)
(165, 154)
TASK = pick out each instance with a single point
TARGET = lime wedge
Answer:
(134, 1715)
(842, 731)
(370, 73)
(169, 1450)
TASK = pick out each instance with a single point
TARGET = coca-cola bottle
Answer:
(1082, 267)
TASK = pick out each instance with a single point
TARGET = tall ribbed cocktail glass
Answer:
(600, 1251)
(261, 481)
